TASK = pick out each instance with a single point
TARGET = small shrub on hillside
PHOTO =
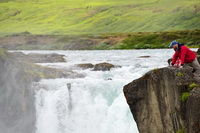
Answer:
(185, 96)
(191, 86)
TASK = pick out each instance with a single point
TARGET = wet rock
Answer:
(85, 66)
(40, 58)
(97, 67)
(46, 58)
(103, 67)
(144, 56)
(154, 100)
(169, 61)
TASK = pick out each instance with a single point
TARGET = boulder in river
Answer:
(103, 67)
(85, 66)
(97, 67)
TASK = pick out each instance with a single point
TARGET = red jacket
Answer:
(184, 54)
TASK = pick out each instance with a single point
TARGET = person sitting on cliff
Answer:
(186, 56)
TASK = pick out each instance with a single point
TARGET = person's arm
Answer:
(183, 53)
(174, 58)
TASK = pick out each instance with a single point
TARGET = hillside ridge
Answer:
(90, 17)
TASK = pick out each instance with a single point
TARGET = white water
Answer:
(94, 104)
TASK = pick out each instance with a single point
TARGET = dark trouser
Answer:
(196, 66)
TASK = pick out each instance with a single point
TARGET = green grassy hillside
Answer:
(97, 16)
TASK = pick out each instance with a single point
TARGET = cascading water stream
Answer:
(87, 107)
(94, 104)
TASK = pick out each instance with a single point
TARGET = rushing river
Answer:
(95, 103)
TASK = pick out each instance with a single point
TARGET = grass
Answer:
(151, 40)
(191, 86)
(75, 17)
(185, 96)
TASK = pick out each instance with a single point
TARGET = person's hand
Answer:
(180, 66)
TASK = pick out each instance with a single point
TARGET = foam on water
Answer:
(94, 104)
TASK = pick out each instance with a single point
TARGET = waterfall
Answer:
(88, 106)
(95, 103)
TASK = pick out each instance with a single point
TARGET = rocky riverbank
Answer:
(165, 100)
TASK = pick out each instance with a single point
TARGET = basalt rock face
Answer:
(154, 100)
(193, 111)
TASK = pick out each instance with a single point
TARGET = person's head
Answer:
(174, 45)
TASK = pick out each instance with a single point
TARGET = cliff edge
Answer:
(17, 95)
(165, 100)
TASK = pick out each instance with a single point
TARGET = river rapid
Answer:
(95, 103)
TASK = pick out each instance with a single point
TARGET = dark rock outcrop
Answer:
(97, 67)
(103, 67)
(154, 100)
(40, 58)
(85, 66)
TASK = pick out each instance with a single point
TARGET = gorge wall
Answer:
(17, 95)
(155, 101)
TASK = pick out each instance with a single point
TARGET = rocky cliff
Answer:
(16, 97)
(159, 101)
(17, 106)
